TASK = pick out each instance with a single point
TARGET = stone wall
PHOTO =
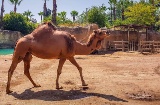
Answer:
(9, 38)
(81, 33)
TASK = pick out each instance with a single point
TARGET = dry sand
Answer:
(114, 79)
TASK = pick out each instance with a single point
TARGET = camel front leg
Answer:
(59, 71)
(73, 61)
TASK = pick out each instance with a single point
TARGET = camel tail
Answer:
(15, 44)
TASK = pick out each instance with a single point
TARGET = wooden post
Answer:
(122, 45)
(128, 33)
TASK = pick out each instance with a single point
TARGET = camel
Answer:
(47, 42)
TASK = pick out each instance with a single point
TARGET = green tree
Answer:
(113, 4)
(27, 14)
(17, 22)
(62, 16)
(40, 14)
(141, 14)
(122, 6)
(74, 14)
(15, 3)
(97, 15)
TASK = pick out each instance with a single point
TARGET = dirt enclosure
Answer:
(114, 79)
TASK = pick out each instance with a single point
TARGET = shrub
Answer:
(17, 22)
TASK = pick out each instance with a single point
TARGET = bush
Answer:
(17, 22)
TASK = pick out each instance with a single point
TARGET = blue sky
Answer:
(35, 6)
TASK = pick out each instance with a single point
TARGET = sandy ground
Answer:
(114, 79)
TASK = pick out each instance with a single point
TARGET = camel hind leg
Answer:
(27, 59)
(13, 66)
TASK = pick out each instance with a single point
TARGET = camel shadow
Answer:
(60, 95)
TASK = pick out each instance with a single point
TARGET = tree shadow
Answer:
(59, 95)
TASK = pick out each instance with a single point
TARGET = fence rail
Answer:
(142, 46)
(122, 45)
(149, 46)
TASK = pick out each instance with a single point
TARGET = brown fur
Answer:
(69, 42)
(90, 40)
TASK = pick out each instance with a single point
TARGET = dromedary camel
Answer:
(48, 43)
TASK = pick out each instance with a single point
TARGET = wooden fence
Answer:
(123, 45)
(149, 46)
(142, 46)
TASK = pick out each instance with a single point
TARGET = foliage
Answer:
(48, 13)
(74, 14)
(15, 3)
(28, 14)
(17, 22)
(157, 24)
(97, 15)
(62, 16)
(142, 14)
(40, 14)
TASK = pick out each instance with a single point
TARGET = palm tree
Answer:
(27, 14)
(40, 14)
(62, 15)
(2, 10)
(1, 15)
(30, 16)
(111, 8)
(74, 14)
(15, 3)
(122, 5)
(45, 8)
(54, 14)
(114, 8)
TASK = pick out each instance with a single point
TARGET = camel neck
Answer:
(83, 49)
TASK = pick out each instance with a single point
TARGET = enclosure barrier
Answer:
(149, 46)
(123, 45)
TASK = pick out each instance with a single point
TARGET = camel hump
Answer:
(50, 24)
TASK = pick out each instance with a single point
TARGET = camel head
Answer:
(98, 35)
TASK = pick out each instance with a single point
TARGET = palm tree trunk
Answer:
(74, 19)
(114, 12)
(41, 18)
(2, 10)
(1, 16)
(111, 13)
(45, 8)
(54, 14)
(15, 7)
(122, 14)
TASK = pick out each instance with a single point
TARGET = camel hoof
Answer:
(37, 86)
(8, 91)
(59, 88)
(85, 87)
(84, 84)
